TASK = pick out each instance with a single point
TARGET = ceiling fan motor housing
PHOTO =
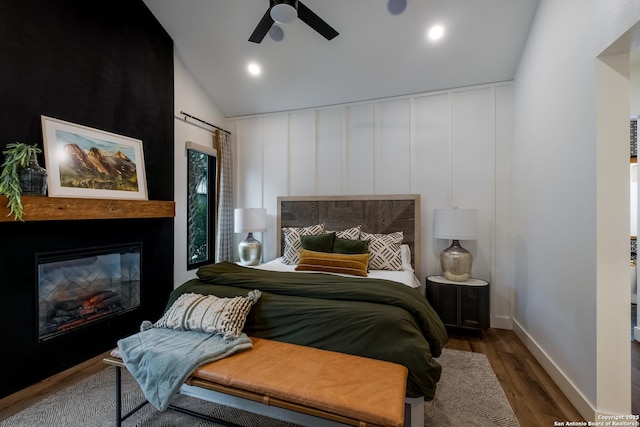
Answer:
(284, 11)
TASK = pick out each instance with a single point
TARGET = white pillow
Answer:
(405, 253)
(385, 250)
(292, 246)
(209, 313)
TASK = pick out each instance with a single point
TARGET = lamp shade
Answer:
(249, 220)
(455, 224)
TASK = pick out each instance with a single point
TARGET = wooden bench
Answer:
(303, 385)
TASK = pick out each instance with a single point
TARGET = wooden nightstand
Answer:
(460, 304)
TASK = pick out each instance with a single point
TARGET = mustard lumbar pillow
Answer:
(354, 264)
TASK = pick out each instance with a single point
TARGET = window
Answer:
(201, 197)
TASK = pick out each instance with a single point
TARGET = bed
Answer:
(375, 316)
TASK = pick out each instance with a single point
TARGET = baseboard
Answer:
(502, 323)
(569, 389)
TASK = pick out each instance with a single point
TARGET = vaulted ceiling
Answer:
(377, 54)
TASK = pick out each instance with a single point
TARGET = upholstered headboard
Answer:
(376, 214)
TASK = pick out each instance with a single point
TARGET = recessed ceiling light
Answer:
(276, 33)
(436, 32)
(254, 69)
(396, 7)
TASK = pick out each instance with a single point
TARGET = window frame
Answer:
(211, 204)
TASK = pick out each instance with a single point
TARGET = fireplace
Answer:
(80, 287)
(38, 351)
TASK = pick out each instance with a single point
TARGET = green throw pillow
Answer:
(350, 246)
(318, 243)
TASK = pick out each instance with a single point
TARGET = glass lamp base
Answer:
(250, 251)
(456, 262)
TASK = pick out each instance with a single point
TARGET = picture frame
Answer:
(92, 163)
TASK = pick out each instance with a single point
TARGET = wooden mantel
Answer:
(64, 209)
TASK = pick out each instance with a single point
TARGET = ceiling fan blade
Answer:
(263, 28)
(314, 21)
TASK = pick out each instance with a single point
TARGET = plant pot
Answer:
(33, 179)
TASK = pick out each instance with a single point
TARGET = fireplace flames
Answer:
(71, 313)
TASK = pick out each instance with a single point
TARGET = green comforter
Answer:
(374, 318)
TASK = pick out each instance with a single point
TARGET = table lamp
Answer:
(456, 224)
(250, 220)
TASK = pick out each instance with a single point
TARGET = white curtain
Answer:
(224, 223)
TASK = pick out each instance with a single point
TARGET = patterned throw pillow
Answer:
(385, 250)
(292, 245)
(333, 263)
(208, 313)
(349, 233)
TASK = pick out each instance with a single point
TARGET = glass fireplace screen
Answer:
(77, 288)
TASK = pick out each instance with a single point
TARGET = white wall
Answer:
(633, 199)
(190, 98)
(634, 188)
(571, 201)
(451, 147)
(634, 112)
(635, 83)
(634, 77)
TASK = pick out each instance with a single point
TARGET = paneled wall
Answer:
(451, 147)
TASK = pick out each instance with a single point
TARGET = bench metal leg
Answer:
(118, 397)
(414, 412)
(120, 418)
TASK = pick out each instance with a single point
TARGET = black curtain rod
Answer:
(202, 121)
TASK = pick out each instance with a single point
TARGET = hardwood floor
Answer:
(535, 399)
(533, 396)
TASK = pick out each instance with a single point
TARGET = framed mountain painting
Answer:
(86, 162)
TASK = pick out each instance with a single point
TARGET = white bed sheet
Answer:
(406, 277)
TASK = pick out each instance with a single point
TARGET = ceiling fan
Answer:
(284, 11)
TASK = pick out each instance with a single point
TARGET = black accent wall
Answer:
(106, 65)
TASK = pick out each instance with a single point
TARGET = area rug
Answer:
(468, 394)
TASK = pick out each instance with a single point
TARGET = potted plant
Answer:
(21, 174)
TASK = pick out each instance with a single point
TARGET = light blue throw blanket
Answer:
(162, 359)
